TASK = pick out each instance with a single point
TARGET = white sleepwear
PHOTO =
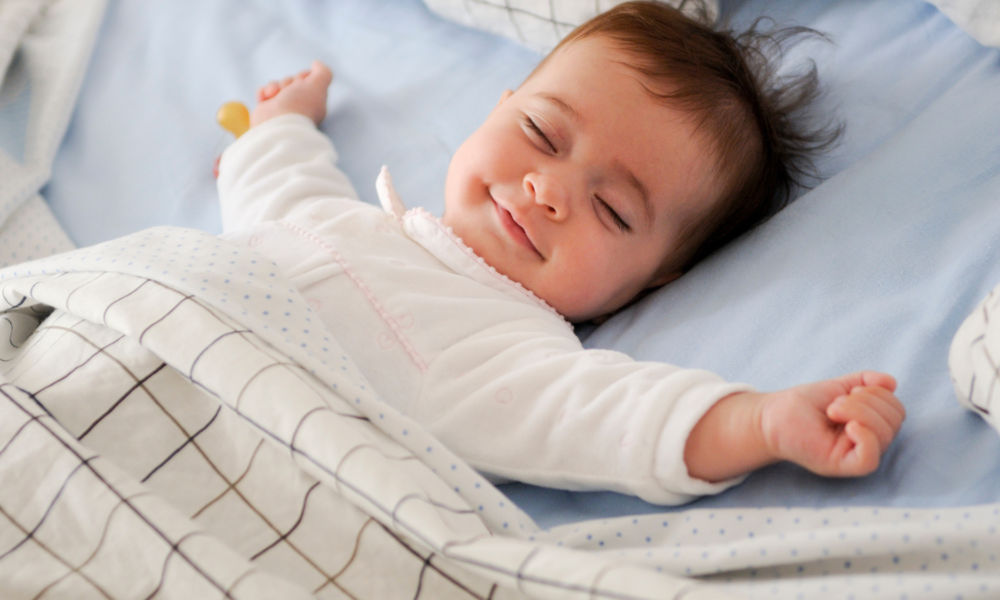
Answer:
(486, 366)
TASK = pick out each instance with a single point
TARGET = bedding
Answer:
(875, 267)
(44, 47)
(972, 360)
(981, 18)
(170, 437)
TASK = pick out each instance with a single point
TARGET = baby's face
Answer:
(579, 184)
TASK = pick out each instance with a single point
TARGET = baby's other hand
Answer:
(304, 94)
(837, 428)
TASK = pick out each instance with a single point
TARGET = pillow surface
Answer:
(538, 24)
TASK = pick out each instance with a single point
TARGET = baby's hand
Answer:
(303, 94)
(839, 427)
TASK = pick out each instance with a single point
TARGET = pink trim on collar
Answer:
(470, 253)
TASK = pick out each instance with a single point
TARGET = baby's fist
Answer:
(871, 416)
(839, 427)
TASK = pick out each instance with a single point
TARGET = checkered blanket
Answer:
(174, 421)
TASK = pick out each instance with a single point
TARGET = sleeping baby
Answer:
(643, 142)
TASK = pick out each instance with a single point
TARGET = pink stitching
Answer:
(420, 212)
(364, 288)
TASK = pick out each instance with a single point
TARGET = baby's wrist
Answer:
(748, 409)
(263, 113)
(729, 439)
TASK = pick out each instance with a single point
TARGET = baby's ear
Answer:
(664, 279)
(506, 94)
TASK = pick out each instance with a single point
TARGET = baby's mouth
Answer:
(514, 229)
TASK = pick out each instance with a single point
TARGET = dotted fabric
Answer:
(31, 233)
(848, 553)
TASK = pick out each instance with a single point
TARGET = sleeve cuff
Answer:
(670, 470)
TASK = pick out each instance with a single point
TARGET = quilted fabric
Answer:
(980, 18)
(974, 360)
(538, 24)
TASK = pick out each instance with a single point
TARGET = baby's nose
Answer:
(549, 193)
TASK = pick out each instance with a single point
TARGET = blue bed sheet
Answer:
(874, 268)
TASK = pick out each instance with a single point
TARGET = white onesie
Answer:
(490, 369)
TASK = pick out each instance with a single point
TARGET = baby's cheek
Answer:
(577, 292)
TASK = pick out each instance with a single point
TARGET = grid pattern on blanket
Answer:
(534, 24)
(177, 440)
(974, 360)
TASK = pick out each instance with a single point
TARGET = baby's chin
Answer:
(576, 307)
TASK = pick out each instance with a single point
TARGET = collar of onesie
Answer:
(439, 239)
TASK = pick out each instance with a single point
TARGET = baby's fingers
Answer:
(266, 92)
(870, 410)
(885, 402)
(864, 456)
(321, 73)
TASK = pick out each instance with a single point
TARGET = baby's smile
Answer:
(514, 228)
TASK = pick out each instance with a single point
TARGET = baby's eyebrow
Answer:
(564, 108)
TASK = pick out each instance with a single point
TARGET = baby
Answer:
(612, 169)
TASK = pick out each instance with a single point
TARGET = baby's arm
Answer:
(283, 164)
(839, 428)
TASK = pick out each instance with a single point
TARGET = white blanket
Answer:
(44, 49)
(164, 429)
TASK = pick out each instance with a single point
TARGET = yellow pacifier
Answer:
(234, 118)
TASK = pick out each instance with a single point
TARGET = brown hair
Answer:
(728, 81)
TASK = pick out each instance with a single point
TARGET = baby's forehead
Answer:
(565, 54)
(581, 55)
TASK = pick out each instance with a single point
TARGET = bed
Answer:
(875, 267)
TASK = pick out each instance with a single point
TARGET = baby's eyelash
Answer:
(614, 217)
(538, 131)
